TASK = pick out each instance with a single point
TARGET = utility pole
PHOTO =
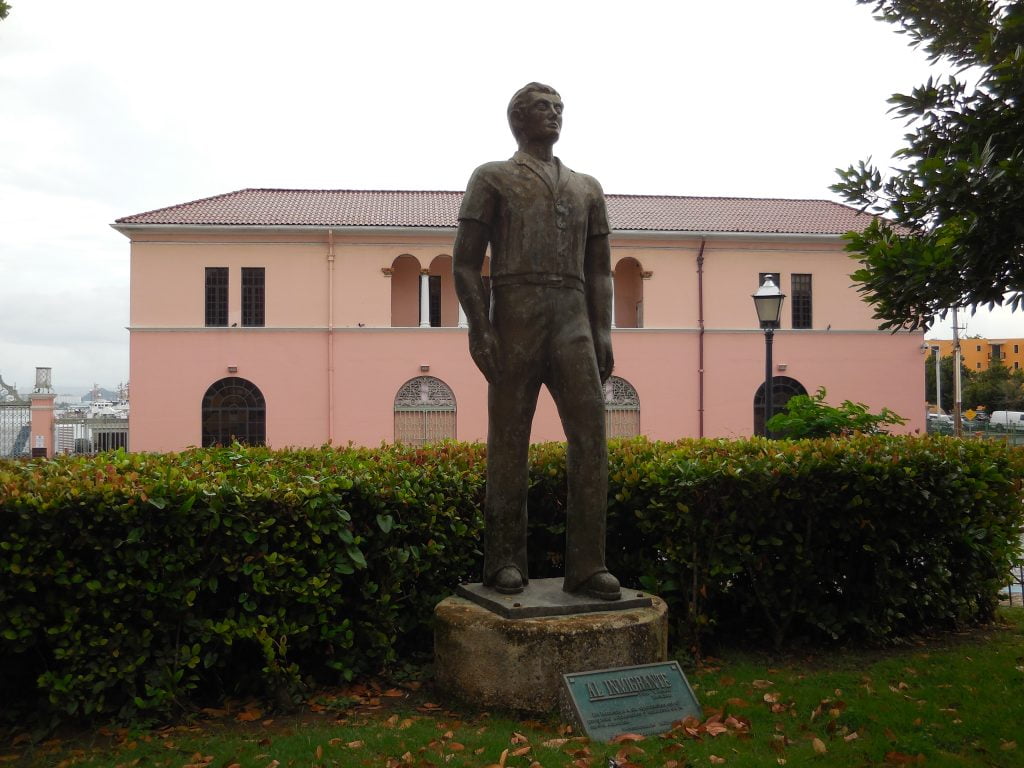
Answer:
(938, 379)
(958, 425)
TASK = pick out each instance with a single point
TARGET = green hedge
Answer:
(134, 583)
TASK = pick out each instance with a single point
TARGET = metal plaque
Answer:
(645, 699)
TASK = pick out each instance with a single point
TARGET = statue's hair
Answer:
(519, 101)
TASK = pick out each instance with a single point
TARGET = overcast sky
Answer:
(115, 107)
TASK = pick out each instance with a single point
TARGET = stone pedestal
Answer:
(490, 661)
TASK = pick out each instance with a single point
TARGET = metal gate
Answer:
(15, 423)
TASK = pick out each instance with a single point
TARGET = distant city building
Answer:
(978, 354)
(301, 317)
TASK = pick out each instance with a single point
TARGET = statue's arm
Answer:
(468, 257)
(598, 268)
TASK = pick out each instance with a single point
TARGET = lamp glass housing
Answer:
(768, 303)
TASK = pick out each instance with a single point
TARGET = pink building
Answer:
(301, 317)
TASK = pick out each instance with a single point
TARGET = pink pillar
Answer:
(42, 424)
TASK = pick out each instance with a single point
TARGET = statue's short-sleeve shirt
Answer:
(538, 224)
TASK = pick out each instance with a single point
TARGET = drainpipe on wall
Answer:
(330, 336)
(700, 339)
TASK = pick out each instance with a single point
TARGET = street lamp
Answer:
(768, 303)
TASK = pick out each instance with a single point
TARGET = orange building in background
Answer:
(978, 354)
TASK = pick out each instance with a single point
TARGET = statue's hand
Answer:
(484, 349)
(605, 358)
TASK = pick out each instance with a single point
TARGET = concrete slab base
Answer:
(544, 597)
(487, 660)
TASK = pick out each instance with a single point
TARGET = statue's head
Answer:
(526, 115)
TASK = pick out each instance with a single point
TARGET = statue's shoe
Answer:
(508, 581)
(602, 585)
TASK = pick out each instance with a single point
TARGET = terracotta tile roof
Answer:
(376, 208)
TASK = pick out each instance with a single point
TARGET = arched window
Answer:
(424, 411)
(783, 388)
(621, 408)
(629, 294)
(234, 409)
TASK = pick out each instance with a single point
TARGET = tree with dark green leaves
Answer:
(945, 377)
(997, 388)
(952, 232)
(5, 8)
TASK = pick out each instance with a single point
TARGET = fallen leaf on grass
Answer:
(1008, 746)
(249, 715)
(518, 738)
(819, 746)
(393, 693)
(716, 760)
(555, 743)
(520, 751)
(628, 751)
(355, 744)
(762, 683)
(899, 758)
(851, 736)
(624, 737)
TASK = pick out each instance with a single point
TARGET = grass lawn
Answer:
(955, 700)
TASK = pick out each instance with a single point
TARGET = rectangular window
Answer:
(434, 292)
(801, 300)
(254, 297)
(216, 296)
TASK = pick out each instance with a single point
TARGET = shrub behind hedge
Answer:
(136, 583)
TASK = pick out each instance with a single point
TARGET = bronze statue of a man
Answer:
(549, 323)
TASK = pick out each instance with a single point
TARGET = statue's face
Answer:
(541, 118)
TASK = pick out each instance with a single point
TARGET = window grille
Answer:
(621, 408)
(216, 296)
(424, 411)
(234, 410)
(253, 296)
(801, 300)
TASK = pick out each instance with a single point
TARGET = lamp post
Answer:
(768, 303)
